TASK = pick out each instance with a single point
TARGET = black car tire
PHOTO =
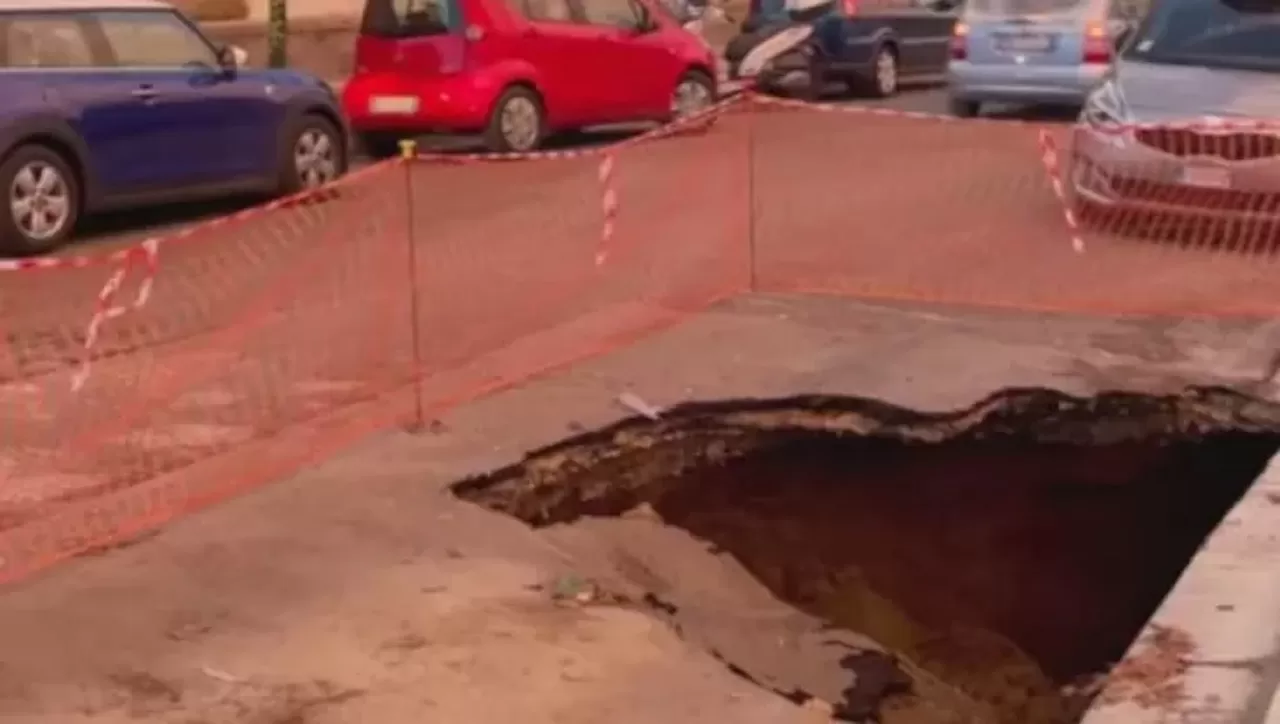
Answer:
(694, 78)
(314, 126)
(964, 109)
(14, 240)
(516, 99)
(816, 90)
(877, 86)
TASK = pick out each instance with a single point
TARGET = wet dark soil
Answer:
(1010, 569)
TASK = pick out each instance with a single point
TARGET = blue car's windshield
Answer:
(1240, 34)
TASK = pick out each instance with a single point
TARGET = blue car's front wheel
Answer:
(316, 157)
(42, 200)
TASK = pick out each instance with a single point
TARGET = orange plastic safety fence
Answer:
(513, 281)
(140, 386)
(1013, 215)
(246, 331)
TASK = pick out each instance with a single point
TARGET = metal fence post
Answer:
(753, 272)
(408, 154)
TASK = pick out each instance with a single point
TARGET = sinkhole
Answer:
(1005, 553)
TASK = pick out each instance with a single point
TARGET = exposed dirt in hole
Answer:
(998, 557)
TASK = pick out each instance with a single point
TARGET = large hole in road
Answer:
(1008, 551)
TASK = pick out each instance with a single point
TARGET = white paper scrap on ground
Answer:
(632, 402)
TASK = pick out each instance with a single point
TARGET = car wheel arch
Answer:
(57, 135)
(888, 41)
(519, 82)
(701, 69)
(331, 115)
(296, 115)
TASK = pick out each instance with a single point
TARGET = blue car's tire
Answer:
(315, 155)
(42, 200)
(882, 78)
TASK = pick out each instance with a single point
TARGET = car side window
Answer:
(614, 13)
(546, 11)
(44, 41)
(155, 39)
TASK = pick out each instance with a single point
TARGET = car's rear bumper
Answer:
(1068, 84)
(1108, 170)
(398, 102)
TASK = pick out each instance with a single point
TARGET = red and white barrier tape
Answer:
(84, 261)
(609, 207)
(105, 307)
(1208, 125)
(865, 110)
(605, 172)
(1053, 167)
(147, 253)
(668, 129)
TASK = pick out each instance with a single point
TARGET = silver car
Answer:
(1187, 122)
(1034, 52)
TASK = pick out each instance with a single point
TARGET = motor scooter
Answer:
(777, 54)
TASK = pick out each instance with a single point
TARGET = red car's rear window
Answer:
(410, 18)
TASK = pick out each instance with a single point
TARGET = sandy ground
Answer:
(361, 591)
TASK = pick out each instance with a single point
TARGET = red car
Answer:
(515, 71)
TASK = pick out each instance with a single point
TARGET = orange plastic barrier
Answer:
(138, 386)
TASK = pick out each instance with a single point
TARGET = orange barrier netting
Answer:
(144, 385)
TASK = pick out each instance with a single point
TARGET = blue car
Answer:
(870, 46)
(108, 104)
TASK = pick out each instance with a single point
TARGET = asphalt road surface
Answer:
(119, 229)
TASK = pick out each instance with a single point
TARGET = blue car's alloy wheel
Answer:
(42, 200)
(316, 157)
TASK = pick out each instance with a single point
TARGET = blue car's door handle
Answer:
(144, 92)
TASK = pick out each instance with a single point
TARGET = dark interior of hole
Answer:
(1008, 569)
(1064, 550)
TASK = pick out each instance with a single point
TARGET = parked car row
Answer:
(1020, 51)
(1125, 63)
(113, 104)
(119, 103)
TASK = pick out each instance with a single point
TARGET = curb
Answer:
(1228, 602)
